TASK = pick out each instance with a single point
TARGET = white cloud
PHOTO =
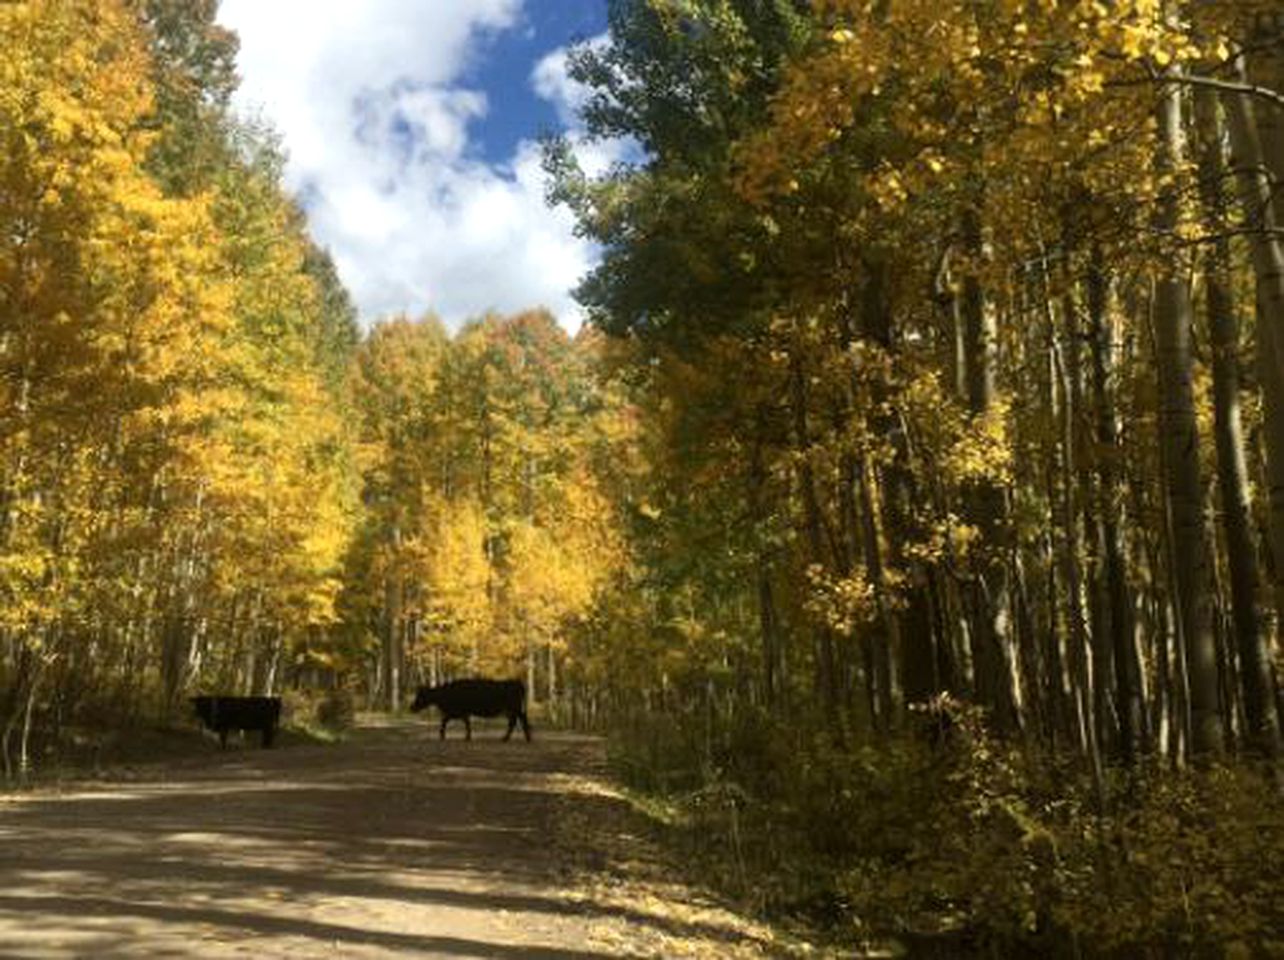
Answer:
(552, 82)
(438, 119)
(368, 99)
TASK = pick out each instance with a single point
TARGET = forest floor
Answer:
(389, 843)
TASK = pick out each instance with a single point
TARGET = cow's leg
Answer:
(526, 727)
(269, 733)
(468, 727)
(222, 737)
(512, 722)
(444, 721)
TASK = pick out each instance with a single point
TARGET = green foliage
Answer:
(957, 842)
(1182, 860)
(324, 714)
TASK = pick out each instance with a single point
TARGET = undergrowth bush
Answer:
(970, 841)
(319, 711)
(337, 710)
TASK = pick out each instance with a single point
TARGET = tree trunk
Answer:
(1180, 439)
(767, 625)
(530, 670)
(826, 672)
(552, 678)
(912, 671)
(176, 663)
(1255, 186)
(995, 679)
(886, 638)
(1232, 469)
(1266, 68)
(393, 652)
(1116, 621)
(1087, 530)
(1080, 649)
(264, 681)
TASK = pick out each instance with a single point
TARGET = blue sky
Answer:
(411, 131)
(507, 61)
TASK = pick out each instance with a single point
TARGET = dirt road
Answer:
(391, 844)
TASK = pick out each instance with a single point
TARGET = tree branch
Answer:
(1271, 97)
(1230, 86)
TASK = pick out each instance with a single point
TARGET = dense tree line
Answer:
(175, 486)
(955, 329)
(488, 532)
(925, 285)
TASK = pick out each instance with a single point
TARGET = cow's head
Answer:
(426, 697)
(204, 707)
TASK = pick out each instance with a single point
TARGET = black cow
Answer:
(224, 714)
(461, 699)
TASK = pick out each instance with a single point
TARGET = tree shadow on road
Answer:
(260, 924)
(394, 842)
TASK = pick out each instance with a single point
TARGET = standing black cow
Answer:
(224, 714)
(461, 699)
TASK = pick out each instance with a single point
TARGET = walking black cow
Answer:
(461, 699)
(224, 714)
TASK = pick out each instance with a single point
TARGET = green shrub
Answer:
(973, 843)
(337, 710)
(330, 711)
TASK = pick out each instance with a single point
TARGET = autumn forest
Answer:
(908, 513)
